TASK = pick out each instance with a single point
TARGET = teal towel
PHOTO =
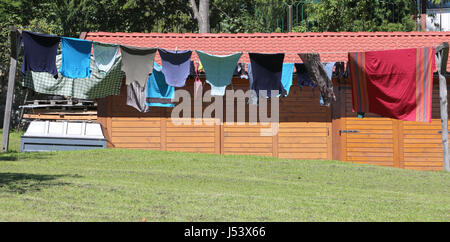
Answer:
(219, 70)
(159, 93)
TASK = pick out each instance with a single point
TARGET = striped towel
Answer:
(394, 83)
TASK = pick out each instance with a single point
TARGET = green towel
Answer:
(98, 85)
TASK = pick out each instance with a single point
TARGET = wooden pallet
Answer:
(89, 115)
(60, 102)
(60, 110)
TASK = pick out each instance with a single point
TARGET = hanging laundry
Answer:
(267, 70)
(319, 76)
(286, 77)
(76, 57)
(104, 55)
(159, 93)
(200, 66)
(240, 71)
(347, 70)
(137, 63)
(198, 86)
(136, 96)
(253, 99)
(219, 70)
(303, 78)
(192, 69)
(175, 66)
(340, 71)
(98, 85)
(39, 53)
(394, 83)
(328, 67)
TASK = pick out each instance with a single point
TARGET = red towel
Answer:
(394, 83)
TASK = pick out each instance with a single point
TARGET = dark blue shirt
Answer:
(40, 52)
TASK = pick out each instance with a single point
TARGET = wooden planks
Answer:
(369, 140)
(247, 139)
(422, 145)
(191, 137)
(136, 132)
(304, 140)
(397, 143)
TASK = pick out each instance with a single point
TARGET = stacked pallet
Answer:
(73, 110)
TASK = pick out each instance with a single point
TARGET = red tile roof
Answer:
(332, 46)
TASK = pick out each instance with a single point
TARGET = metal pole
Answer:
(13, 37)
(440, 17)
(419, 10)
(290, 18)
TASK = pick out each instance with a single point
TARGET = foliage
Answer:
(361, 15)
(440, 1)
(236, 16)
(311, 15)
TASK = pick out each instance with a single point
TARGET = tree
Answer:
(362, 15)
(201, 14)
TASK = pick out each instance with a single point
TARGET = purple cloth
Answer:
(39, 53)
(175, 66)
(266, 70)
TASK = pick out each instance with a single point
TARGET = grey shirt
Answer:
(136, 96)
(137, 63)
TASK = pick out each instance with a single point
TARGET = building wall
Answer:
(434, 21)
(389, 142)
(305, 131)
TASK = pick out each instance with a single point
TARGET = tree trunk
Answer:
(201, 14)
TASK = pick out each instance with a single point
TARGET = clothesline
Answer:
(236, 51)
(284, 52)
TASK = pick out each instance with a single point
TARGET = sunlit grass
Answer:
(128, 185)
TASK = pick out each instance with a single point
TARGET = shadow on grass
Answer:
(15, 155)
(24, 182)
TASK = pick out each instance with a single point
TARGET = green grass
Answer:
(128, 185)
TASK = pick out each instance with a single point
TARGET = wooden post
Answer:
(290, 19)
(13, 37)
(441, 62)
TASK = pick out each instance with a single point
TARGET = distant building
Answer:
(437, 16)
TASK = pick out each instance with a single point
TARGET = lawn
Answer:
(129, 185)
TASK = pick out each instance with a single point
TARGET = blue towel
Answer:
(76, 57)
(159, 93)
(286, 77)
(219, 70)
